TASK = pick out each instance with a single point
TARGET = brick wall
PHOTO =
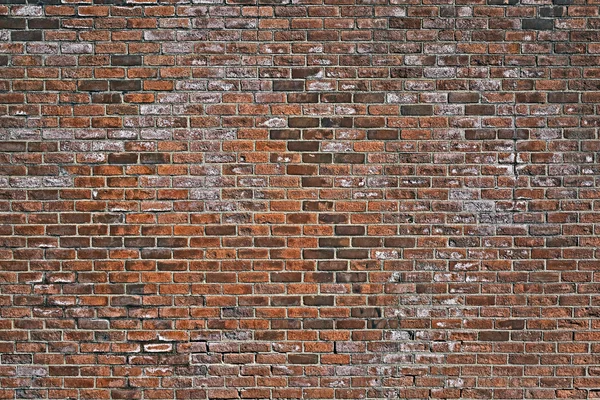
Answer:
(317, 199)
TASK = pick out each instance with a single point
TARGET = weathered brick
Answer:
(310, 199)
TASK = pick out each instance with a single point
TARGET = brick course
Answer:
(317, 199)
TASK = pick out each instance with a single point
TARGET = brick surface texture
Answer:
(299, 199)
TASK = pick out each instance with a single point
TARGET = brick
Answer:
(311, 145)
(563, 97)
(26, 36)
(319, 158)
(404, 23)
(93, 86)
(286, 86)
(344, 158)
(303, 97)
(318, 254)
(304, 73)
(303, 358)
(480, 109)
(107, 98)
(538, 24)
(284, 134)
(312, 199)
(417, 110)
(303, 122)
(463, 97)
(12, 23)
(128, 85)
(129, 60)
(551, 12)
(44, 23)
(383, 134)
(316, 182)
(350, 230)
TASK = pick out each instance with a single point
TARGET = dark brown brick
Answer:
(336, 97)
(304, 73)
(93, 86)
(126, 85)
(318, 158)
(108, 98)
(383, 134)
(334, 242)
(12, 23)
(302, 169)
(349, 158)
(351, 230)
(352, 253)
(303, 122)
(317, 254)
(44, 23)
(127, 60)
(480, 109)
(318, 300)
(284, 134)
(405, 23)
(286, 86)
(563, 97)
(303, 358)
(463, 97)
(26, 36)
(220, 230)
(303, 97)
(539, 24)
(316, 182)
(417, 110)
(303, 146)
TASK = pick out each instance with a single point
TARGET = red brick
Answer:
(291, 200)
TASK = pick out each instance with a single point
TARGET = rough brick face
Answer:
(265, 199)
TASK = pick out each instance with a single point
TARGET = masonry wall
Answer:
(378, 199)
